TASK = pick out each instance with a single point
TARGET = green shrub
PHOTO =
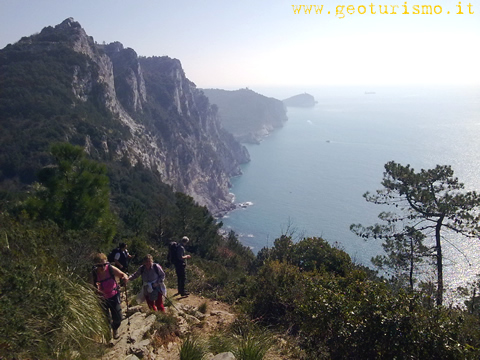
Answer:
(245, 339)
(355, 316)
(271, 294)
(192, 349)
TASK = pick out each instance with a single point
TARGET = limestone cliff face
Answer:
(128, 77)
(202, 155)
(161, 119)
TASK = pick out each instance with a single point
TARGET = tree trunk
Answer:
(438, 247)
(411, 263)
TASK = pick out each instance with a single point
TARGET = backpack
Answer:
(172, 256)
(154, 266)
(111, 256)
(112, 275)
(153, 296)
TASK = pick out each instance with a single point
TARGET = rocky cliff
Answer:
(60, 85)
(247, 115)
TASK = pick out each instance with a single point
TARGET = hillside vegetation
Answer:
(309, 292)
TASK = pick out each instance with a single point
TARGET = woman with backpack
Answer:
(104, 275)
(153, 278)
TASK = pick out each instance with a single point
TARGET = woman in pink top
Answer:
(104, 281)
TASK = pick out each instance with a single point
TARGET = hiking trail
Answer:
(139, 338)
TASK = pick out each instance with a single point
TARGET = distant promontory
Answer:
(247, 115)
(301, 100)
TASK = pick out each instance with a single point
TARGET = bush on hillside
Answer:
(346, 315)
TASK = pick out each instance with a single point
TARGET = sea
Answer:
(308, 178)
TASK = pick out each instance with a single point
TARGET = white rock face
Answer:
(194, 158)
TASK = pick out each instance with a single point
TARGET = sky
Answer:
(235, 44)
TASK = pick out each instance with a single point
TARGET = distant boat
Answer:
(369, 92)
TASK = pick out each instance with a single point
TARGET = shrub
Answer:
(355, 317)
(272, 292)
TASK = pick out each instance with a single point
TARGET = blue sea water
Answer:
(308, 177)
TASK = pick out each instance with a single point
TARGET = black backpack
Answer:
(172, 256)
(111, 256)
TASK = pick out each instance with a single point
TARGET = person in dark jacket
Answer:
(122, 257)
(180, 266)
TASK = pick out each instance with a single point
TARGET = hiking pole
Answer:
(129, 338)
(128, 308)
(170, 301)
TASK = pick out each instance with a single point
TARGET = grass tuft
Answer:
(192, 349)
(251, 341)
(220, 342)
(203, 307)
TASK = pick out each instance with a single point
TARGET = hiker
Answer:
(180, 265)
(120, 257)
(104, 281)
(153, 283)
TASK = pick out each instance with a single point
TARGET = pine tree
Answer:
(431, 202)
(74, 191)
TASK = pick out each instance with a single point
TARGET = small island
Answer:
(301, 100)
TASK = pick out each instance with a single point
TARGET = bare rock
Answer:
(220, 313)
(224, 356)
(141, 349)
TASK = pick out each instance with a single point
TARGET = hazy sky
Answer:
(250, 43)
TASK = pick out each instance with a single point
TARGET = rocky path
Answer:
(142, 338)
(138, 338)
